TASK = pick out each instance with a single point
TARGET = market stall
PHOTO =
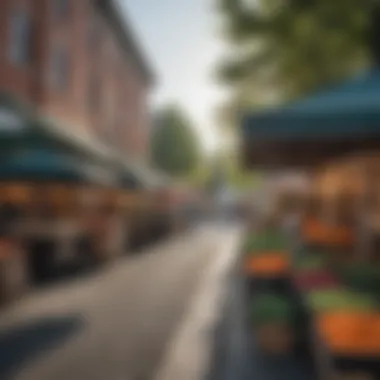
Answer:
(334, 290)
(45, 211)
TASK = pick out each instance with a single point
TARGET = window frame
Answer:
(19, 44)
(59, 73)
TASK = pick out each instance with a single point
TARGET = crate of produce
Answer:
(361, 276)
(326, 300)
(268, 265)
(305, 259)
(317, 233)
(350, 343)
(270, 272)
(266, 241)
(271, 320)
(315, 280)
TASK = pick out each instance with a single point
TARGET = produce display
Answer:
(266, 241)
(318, 233)
(305, 261)
(351, 333)
(306, 282)
(270, 308)
(339, 299)
(272, 319)
(363, 277)
(267, 265)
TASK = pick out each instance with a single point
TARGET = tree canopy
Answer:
(282, 49)
(175, 147)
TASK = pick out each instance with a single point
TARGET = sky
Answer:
(180, 40)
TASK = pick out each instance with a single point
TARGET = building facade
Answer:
(76, 61)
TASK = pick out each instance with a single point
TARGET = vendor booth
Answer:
(334, 137)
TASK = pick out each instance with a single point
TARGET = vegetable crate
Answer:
(271, 324)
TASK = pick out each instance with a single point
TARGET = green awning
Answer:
(21, 127)
(44, 165)
(329, 123)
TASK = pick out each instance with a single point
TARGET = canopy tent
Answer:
(45, 165)
(21, 127)
(328, 124)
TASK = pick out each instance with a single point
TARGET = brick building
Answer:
(77, 62)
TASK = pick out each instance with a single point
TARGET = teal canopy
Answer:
(43, 165)
(332, 122)
(21, 127)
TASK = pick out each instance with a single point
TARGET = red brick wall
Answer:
(14, 79)
(68, 105)
(119, 116)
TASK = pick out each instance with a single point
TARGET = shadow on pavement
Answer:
(25, 342)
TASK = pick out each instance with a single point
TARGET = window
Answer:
(19, 36)
(60, 8)
(59, 67)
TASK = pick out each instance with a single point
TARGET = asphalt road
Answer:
(113, 325)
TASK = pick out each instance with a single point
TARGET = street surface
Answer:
(116, 324)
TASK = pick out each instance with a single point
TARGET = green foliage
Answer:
(269, 241)
(292, 47)
(271, 308)
(175, 148)
(341, 299)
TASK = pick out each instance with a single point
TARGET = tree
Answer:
(175, 147)
(283, 49)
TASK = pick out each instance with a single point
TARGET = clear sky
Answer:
(181, 43)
